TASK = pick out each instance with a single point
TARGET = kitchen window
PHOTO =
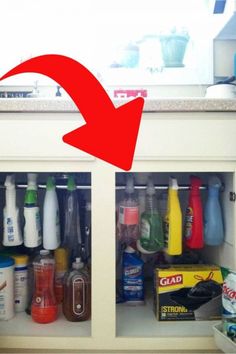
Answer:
(124, 43)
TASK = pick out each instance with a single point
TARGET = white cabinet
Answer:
(168, 143)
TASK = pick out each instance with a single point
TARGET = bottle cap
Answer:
(30, 196)
(214, 181)
(44, 252)
(195, 182)
(71, 186)
(6, 261)
(129, 249)
(50, 183)
(20, 259)
(78, 264)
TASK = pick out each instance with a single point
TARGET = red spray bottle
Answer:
(194, 216)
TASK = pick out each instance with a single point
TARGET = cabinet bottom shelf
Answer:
(140, 321)
(23, 325)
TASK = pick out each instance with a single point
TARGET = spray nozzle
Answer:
(129, 185)
(32, 180)
(10, 182)
(173, 184)
(71, 186)
(78, 264)
(150, 187)
(50, 183)
(214, 181)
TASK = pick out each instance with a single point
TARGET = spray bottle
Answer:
(12, 235)
(194, 216)
(128, 220)
(173, 220)
(51, 223)
(213, 219)
(151, 234)
(32, 228)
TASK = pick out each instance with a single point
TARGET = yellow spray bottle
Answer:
(173, 221)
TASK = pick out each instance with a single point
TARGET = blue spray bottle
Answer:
(213, 219)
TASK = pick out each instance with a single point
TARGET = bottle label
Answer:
(188, 222)
(145, 229)
(129, 215)
(10, 230)
(78, 301)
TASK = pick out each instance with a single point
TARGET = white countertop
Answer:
(151, 105)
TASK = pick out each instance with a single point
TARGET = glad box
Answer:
(188, 292)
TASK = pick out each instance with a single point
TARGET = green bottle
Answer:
(152, 237)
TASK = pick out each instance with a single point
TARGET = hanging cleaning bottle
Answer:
(173, 220)
(194, 216)
(213, 219)
(151, 233)
(51, 223)
(32, 228)
(128, 219)
(72, 233)
(76, 304)
(12, 235)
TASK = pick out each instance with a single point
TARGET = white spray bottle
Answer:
(51, 223)
(32, 228)
(12, 235)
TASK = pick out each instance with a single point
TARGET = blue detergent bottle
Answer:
(213, 219)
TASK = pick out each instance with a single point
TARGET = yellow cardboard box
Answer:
(188, 292)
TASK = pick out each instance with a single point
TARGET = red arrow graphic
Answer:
(109, 133)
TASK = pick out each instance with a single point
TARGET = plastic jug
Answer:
(213, 219)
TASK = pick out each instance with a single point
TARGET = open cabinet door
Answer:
(225, 255)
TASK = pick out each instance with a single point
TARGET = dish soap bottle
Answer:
(12, 235)
(213, 219)
(151, 234)
(128, 219)
(72, 232)
(32, 228)
(44, 308)
(51, 223)
(194, 216)
(76, 304)
(173, 220)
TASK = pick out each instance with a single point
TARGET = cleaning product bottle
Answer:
(72, 232)
(76, 304)
(51, 223)
(151, 234)
(132, 277)
(213, 219)
(32, 228)
(61, 267)
(194, 216)
(173, 220)
(12, 235)
(128, 219)
(44, 308)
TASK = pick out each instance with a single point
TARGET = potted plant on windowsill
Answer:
(173, 47)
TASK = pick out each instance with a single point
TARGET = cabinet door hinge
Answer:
(232, 196)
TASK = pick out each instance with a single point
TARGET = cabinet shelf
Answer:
(23, 325)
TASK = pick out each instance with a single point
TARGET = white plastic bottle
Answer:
(21, 285)
(32, 228)
(12, 235)
(51, 223)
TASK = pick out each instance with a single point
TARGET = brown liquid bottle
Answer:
(76, 304)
